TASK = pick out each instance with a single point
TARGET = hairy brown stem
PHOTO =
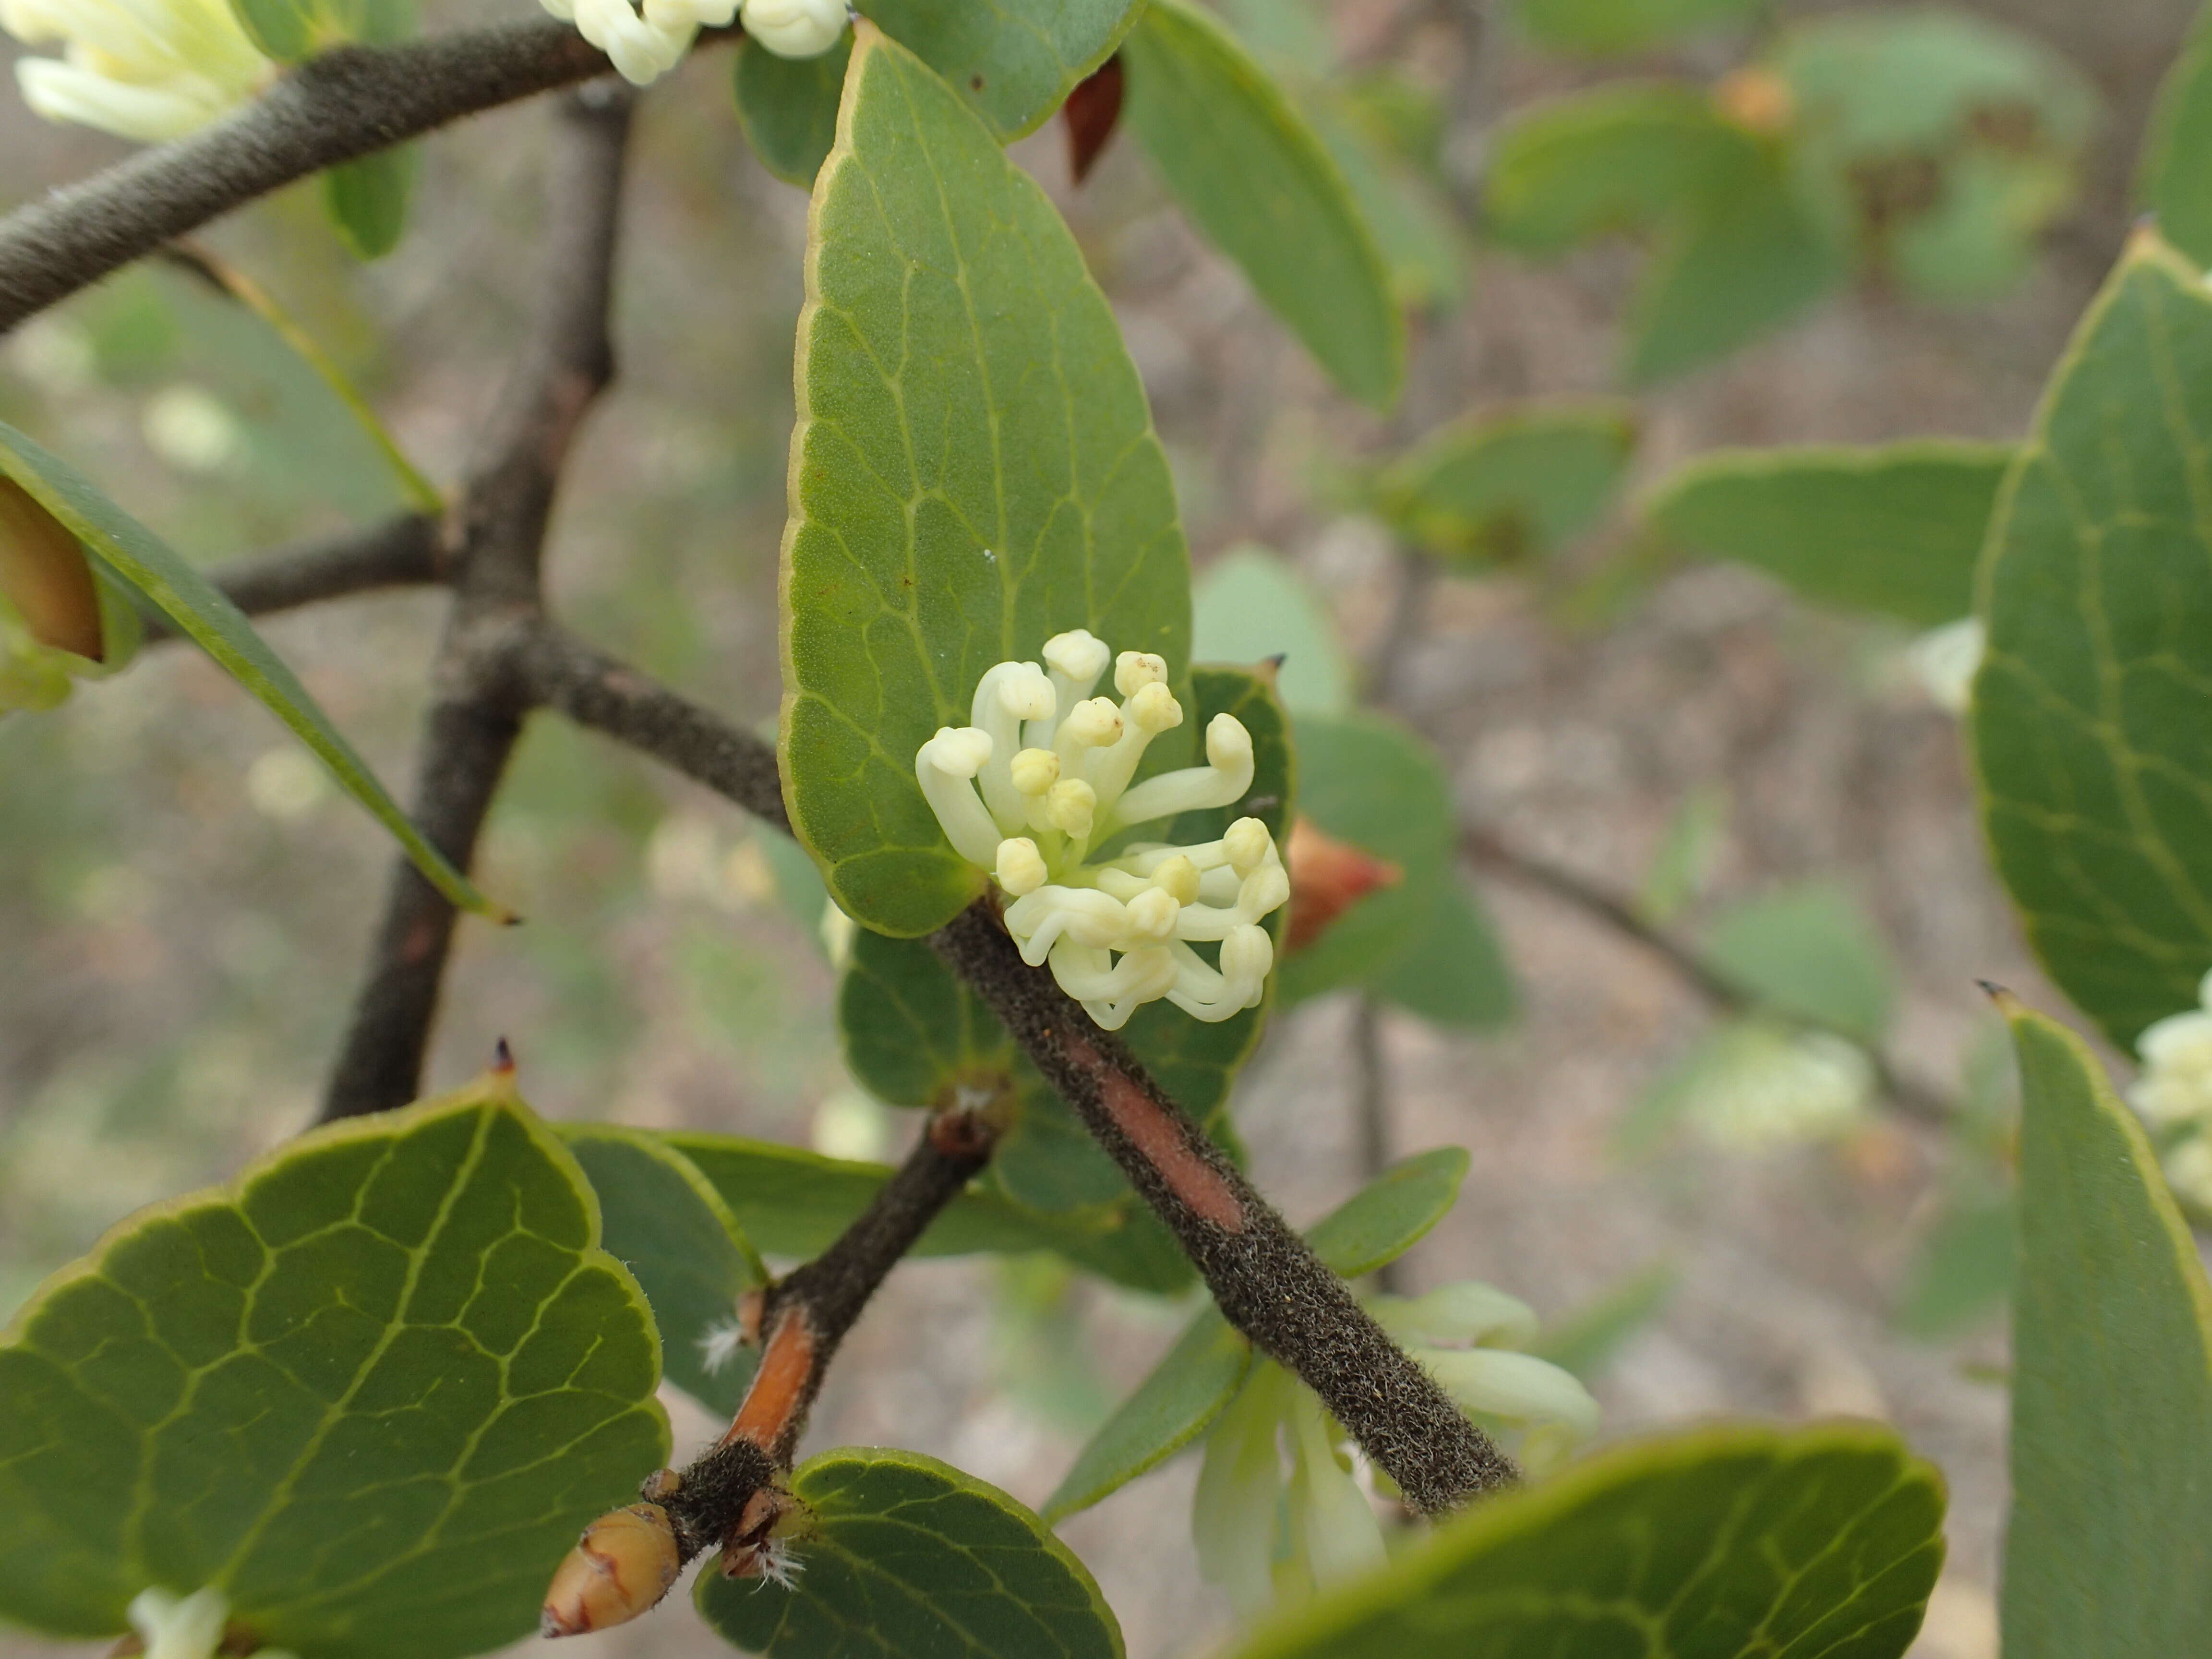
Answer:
(497, 538)
(1911, 1099)
(342, 104)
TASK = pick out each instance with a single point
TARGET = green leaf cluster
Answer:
(1508, 490)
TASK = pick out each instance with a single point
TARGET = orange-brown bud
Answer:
(1328, 878)
(621, 1567)
(1759, 100)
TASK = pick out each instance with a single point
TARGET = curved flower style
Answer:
(648, 40)
(1054, 765)
(1266, 1537)
(148, 70)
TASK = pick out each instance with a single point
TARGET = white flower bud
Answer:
(1177, 877)
(1248, 846)
(1154, 707)
(1229, 746)
(1134, 669)
(1078, 654)
(946, 768)
(150, 71)
(1089, 724)
(1070, 807)
(1152, 917)
(1020, 866)
(795, 28)
(1036, 770)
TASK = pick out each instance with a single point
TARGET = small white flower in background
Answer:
(1766, 1086)
(1265, 1534)
(1945, 661)
(1054, 764)
(646, 42)
(2189, 1171)
(183, 1626)
(2175, 1086)
(148, 70)
(193, 429)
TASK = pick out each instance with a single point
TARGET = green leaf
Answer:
(1743, 263)
(1256, 179)
(1735, 1542)
(1368, 781)
(1182, 1394)
(793, 1203)
(1586, 1340)
(1013, 62)
(1511, 488)
(1683, 863)
(2175, 182)
(2111, 1399)
(1965, 1270)
(1175, 1403)
(1808, 952)
(1452, 969)
(1897, 528)
(1250, 606)
(1627, 157)
(667, 1223)
(1601, 28)
(913, 1034)
(205, 616)
(788, 106)
(2089, 721)
(908, 1556)
(286, 30)
(1414, 227)
(974, 471)
(366, 199)
(1390, 1215)
(370, 1391)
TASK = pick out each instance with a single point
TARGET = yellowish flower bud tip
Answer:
(621, 1567)
(958, 751)
(1079, 654)
(1228, 745)
(1152, 917)
(1036, 770)
(1178, 878)
(1248, 846)
(1094, 723)
(1026, 693)
(1134, 669)
(1070, 805)
(1020, 867)
(1154, 708)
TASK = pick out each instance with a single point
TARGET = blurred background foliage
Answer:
(1624, 232)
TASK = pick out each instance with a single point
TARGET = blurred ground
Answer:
(184, 906)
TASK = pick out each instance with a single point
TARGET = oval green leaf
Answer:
(1897, 529)
(665, 1221)
(1737, 1542)
(1394, 1212)
(1013, 62)
(973, 471)
(1810, 952)
(2175, 179)
(910, 1556)
(2111, 1397)
(370, 1391)
(203, 614)
(1262, 186)
(1452, 970)
(1603, 28)
(788, 106)
(2090, 722)
(1251, 604)
(1509, 489)
(913, 1034)
(366, 199)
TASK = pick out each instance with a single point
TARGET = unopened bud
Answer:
(1026, 693)
(621, 1567)
(1020, 867)
(1248, 846)
(1079, 654)
(1328, 878)
(1178, 878)
(1071, 806)
(1152, 917)
(1036, 770)
(1228, 745)
(1154, 708)
(1134, 670)
(1247, 954)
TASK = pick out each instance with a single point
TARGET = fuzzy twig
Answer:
(497, 538)
(340, 104)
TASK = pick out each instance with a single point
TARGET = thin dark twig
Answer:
(479, 698)
(397, 552)
(342, 104)
(1912, 1100)
(567, 675)
(1265, 1280)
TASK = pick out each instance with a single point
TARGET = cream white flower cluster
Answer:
(1762, 1087)
(2174, 1094)
(185, 1627)
(1054, 764)
(1266, 1535)
(646, 42)
(148, 70)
